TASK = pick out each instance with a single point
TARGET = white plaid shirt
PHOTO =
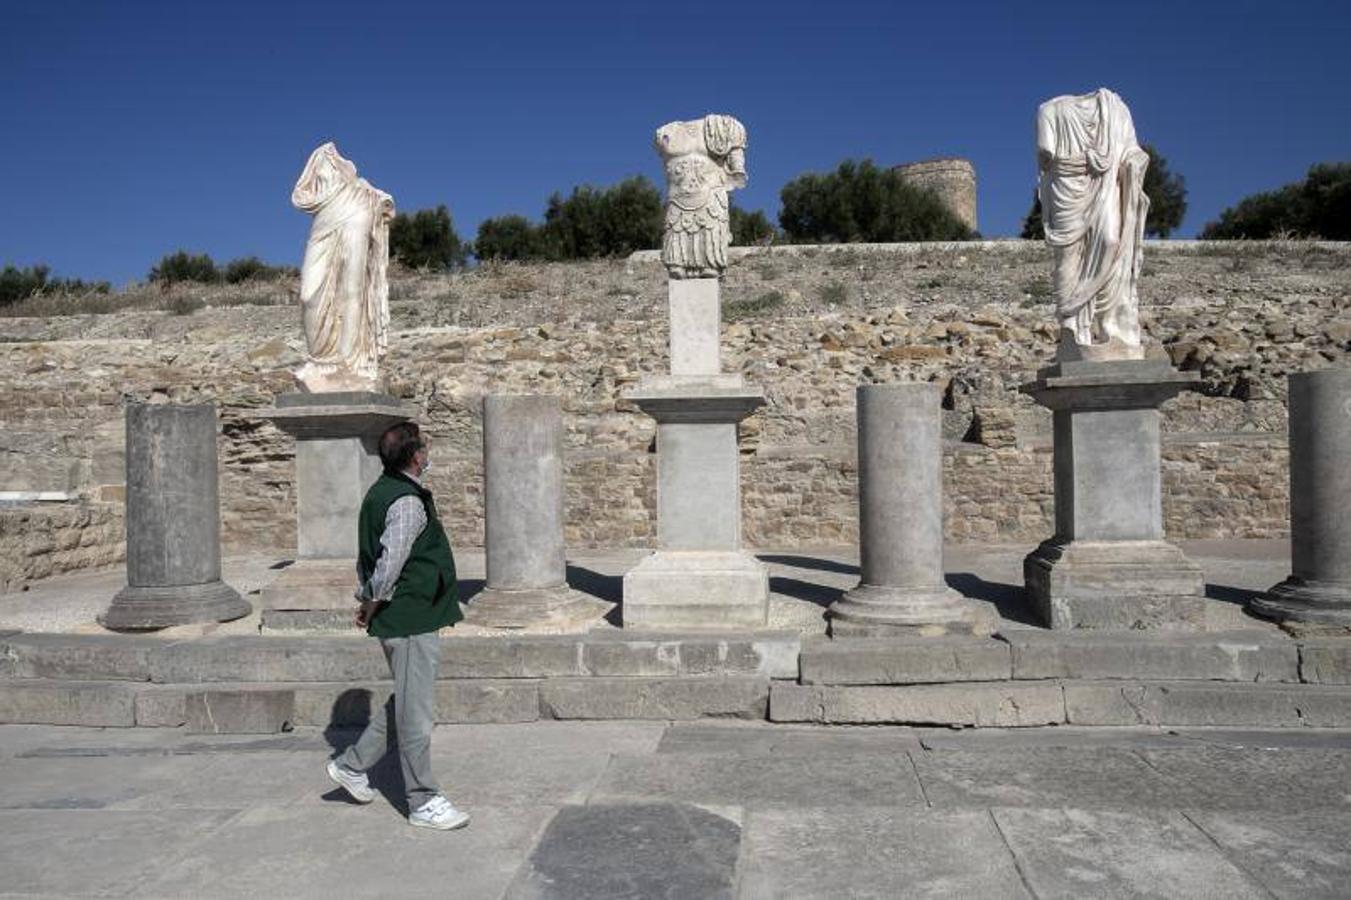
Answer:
(404, 521)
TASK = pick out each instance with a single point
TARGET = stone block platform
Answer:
(1239, 672)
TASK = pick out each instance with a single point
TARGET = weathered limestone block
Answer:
(1160, 656)
(981, 704)
(252, 710)
(674, 699)
(1207, 703)
(901, 660)
(46, 702)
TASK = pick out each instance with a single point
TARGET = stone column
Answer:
(337, 460)
(900, 474)
(1108, 565)
(523, 518)
(1318, 591)
(173, 522)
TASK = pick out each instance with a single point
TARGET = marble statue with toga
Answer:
(344, 291)
(1093, 205)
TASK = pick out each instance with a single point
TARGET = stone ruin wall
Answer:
(973, 319)
(952, 179)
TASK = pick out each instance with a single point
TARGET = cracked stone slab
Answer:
(1207, 703)
(1077, 853)
(807, 854)
(1305, 854)
(1231, 778)
(658, 850)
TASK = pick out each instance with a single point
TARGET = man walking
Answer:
(407, 593)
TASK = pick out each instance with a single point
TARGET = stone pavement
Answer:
(612, 810)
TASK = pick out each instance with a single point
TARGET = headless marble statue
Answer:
(1093, 207)
(344, 292)
(704, 159)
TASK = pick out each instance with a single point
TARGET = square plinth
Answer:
(675, 590)
(1115, 585)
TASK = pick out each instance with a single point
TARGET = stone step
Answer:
(1001, 704)
(904, 660)
(1019, 703)
(247, 658)
(41, 701)
(1157, 656)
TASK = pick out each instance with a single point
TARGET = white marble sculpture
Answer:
(344, 291)
(1093, 207)
(704, 159)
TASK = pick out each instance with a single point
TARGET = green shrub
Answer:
(17, 285)
(737, 310)
(589, 223)
(859, 202)
(1317, 207)
(426, 239)
(251, 268)
(184, 266)
(751, 228)
(834, 293)
(507, 238)
(183, 305)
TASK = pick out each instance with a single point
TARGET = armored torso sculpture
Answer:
(704, 159)
(1093, 207)
(344, 292)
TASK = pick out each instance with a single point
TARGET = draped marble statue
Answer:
(704, 159)
(1093, 207)
(344, 291)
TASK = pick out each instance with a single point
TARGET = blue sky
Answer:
(133, 129)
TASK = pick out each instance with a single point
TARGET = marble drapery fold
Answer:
(1094, 206)
(344, 289)
(704, 159)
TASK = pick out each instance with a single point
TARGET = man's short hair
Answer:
(398, 445)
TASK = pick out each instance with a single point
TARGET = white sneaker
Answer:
(438, 813)
(355, 783)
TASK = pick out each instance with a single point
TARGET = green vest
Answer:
(426, 597)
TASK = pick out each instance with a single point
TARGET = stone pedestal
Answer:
(1318, 591)
(900, 470)
(523, 519)
(336, 462)
(699, 577)
(1108, 565)
(173, 522)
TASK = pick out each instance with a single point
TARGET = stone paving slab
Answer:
(760, 739)
(87, 782)
(806, 854)
(1206, 703)
(345, 850)
(1043, 776)
(763, 781)
(1230, 778)
(1076, 853)
(80, 852)
(1305, 855)
(658, 850)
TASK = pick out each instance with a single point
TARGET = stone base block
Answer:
(309, 584)
(980, 704)
(329, 621)
(142, 608)
(1115, 585)
(1310, 602)
(1161, 656)
(669, 699)
(871, 610)
(1199, 703)
(557, 607)
(904, 660)
(1325, 661)
(694, 589)
(44, 702)
(248, 711)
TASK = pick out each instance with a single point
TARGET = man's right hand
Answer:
(362, 617)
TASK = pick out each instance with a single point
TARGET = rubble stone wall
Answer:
(973, 318)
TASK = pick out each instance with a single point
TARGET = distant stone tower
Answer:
(950, 177)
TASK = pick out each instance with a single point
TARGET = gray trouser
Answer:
(412, 661)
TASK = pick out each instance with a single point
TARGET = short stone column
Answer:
(900, 474)
(1318, 591)
(337, 460)
(523, 519)
(173, 522)
(1108, 566)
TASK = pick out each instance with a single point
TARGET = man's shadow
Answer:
(351, 713)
